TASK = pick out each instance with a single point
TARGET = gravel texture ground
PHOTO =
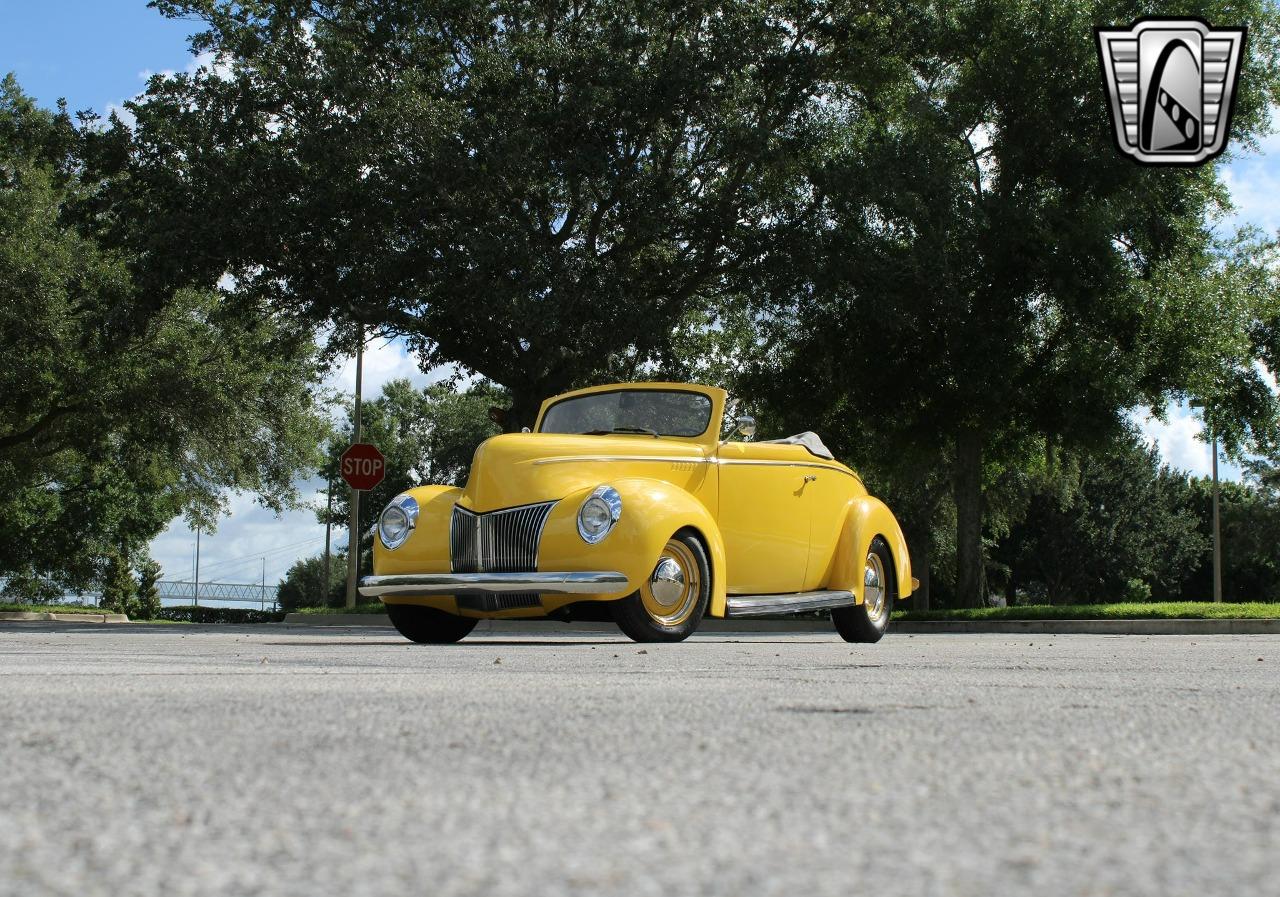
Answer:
(177, 760)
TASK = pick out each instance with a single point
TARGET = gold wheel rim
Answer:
(873, 587)
(671, 603)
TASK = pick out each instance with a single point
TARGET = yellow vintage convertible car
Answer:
(625, 503)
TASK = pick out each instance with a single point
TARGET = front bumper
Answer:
(584, 583)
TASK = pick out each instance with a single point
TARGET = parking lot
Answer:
(263, 760)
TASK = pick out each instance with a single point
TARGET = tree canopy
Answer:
(539, 192)
(989, 277)
(122, 408)
(904, 225)
(1111, 522)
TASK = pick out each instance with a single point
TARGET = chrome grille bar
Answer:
(503, 541)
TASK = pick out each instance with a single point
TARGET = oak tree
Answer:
(540, 192)
(989, 272)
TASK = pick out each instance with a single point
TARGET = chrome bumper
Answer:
(592, 583)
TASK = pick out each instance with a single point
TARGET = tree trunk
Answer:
(966, 488)
(523, 411)
(920, 547)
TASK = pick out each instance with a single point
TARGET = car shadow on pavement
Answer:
(488, 643)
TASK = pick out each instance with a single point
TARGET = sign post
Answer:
(353, 539)
(362, 467)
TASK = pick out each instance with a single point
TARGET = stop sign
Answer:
(362, 466)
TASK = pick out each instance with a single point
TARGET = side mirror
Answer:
(746, 426)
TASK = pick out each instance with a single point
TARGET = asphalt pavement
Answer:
(177, 760)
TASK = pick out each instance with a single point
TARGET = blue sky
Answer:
(98, 54)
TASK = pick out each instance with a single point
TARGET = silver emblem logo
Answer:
(1172, 83)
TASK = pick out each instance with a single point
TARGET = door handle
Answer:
(810, 477)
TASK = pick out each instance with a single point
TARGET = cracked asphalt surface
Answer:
(184, 760)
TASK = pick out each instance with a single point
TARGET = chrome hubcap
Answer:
(873, 590)
(667, 581)
(671, 593)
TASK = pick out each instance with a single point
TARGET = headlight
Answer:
(598, 514)
(398, 520)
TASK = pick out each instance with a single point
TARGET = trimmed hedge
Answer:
(203, 614)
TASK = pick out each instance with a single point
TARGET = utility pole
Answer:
(353, 545)
(328, 530)
(1217, 531)
(195, 594)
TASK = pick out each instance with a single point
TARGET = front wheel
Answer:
(669, 605)
(866, 622)
(429, 626)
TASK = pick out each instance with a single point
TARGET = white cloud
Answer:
(384, 360)
(1180, 446)
(220, 66)
(1254, 181)
(249, 535)
(125, 115)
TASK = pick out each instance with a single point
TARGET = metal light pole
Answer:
(353, 545)
(195, 593)
(1217, 531)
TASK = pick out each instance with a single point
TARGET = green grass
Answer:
(1173, 610)
(7, 607)
(371, 607)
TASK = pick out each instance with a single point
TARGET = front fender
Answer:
(652, 512)
(867, 518)
(427, 548)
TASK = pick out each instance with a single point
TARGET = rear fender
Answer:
(867, 518)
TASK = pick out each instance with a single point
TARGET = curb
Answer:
(26, 616)
(904, 627)
(1092, 627)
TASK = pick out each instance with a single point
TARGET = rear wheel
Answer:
(866, 622)
(429, 626)
(669, 605)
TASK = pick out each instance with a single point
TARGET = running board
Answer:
(796, 602)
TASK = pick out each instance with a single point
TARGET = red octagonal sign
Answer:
(362, 466)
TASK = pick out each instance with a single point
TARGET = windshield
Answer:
(657, 412)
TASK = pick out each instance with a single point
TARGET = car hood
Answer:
(524, 468)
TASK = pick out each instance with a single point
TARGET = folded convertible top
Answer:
(809, 440)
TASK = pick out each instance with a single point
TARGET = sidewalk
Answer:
(24, 616)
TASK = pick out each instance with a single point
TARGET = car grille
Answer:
(497, 542)
(505, 601)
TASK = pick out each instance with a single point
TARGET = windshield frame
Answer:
(635, 387)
